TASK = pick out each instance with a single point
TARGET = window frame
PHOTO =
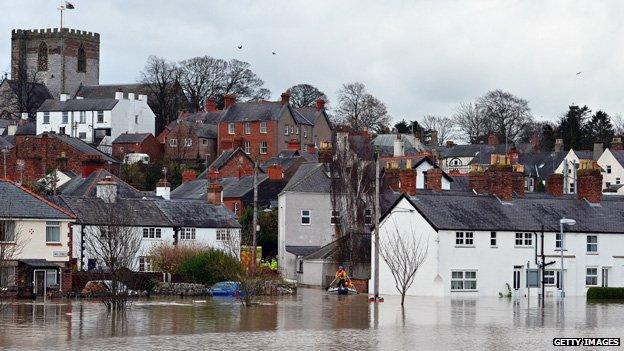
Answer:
(188, 233)
(464, 239)
(263, 127)
(223, 235)
(100, 116)
(493, 239)
(247, 147)
(263, 145)
(46, 117)
(247, 128)
(152, 233)
(304, 217)
(146, 264)
(591, 244)
(231, 128)
(524, 236)
(56, 225)
(589, 276)
(286, 130)
(548, 276)
(7, 226)
(173, 142)
(609, 169)
(463, 279)
(64, 117)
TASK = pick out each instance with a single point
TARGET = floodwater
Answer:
(309, 320)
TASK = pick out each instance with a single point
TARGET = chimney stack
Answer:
(399, 146)
(215, 193)
(476, 179)
(311, 149)
(11, 129)
(320, 104)
(598, 148)
(518, 179)
(285, 98)
(275, 172)
(492, 139)
(213, 174)
(106, 189)
(513, 155)
(188, 175)
(24, 116)
(433, 141)
(558, 145)
(554, 184)
(64, 97)
(244, 171)
(210, 106)
(163, 189)
(407, 181)
(589, 181)
(434, 179)
(499, 177)
(616, 144)
(228, 100)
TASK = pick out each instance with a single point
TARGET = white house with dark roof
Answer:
(34, 237)
(482, 245)
(612, 164)
(96, 119)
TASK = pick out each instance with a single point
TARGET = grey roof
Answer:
(254, 111)
(197, 213)
(619, 156)
(460, 183)
(359, 242)
(212, 118)
(284, 162)
(4, 143)
(87, 187)
(130, 212)
(301, 250)
(310, 113)
(193, 189)
(107, 91)
(206, 131)
(81, 146)
(225, 157)
(466, 211)
(300, 117)
(584, 154)
(78, 105)
(17, 202)
(238, 187)
(385, 143)
(481, 152)
(29, 128)
(541, 164)
(310, 177)
(131, 138)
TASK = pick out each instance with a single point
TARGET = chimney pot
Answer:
(293, 144)
(64, 97)
(188, 175)
(616, 144)
(285, 98)
(228, 100)
(119, 95)
(215, 193)
(434, 179)
(554, 184)
(275, 172)
(106, 189)
(320, 104)
(407, 179)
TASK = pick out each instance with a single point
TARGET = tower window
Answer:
(82, 59)
(42, 59)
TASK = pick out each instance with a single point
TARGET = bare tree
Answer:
(359, 109)
(505, 113)
(163, 81)
(201, 78)
(241, 81)
(404, 251)
(444, 126)
(471, 123)
(25, 92)
(12, 242)
(115, 245)
(305, 95)
(185, 146)
(618, 125)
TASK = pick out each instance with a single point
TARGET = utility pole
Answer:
(255, 217)
(376, 285)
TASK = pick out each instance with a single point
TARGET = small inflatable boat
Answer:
(341, 290)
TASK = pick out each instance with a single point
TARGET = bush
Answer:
(210, 266)
(597, 293)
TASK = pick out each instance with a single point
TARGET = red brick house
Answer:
(232, 163)
(144, 143)
(34, 156)
(191, 140)
(264, 128)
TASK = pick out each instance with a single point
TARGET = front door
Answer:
(516, 277)
(39, 284)
(605, 276)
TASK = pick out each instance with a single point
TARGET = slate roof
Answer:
(541, 164)
(193, 189)
(460, 183)
(17, 202)
(107, 91)
(197, 213)
(301, 250)
(53, 105)
(131, 138)
(301, 118)
(619, 156)
(4, 143)
(310, 113)
(206, 131)
(81, 146)
(29, 128)
(254, 111)
(87, 187)
(385, 143)
(466, 211)
(205, 117)
(310, 177)
(285, 162)
(238, 187)
(360, 243)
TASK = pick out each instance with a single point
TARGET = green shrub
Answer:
(597, 293)
(210, 266)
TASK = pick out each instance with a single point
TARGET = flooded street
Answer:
(309, 320)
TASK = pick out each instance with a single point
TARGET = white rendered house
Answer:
(612, 164)
(93, 120)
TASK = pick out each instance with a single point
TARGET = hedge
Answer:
(605, 293)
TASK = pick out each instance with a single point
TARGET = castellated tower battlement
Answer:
(62, 59)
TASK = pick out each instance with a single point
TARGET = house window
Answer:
(549, 278)
(46, 118)
(292, 129)
(145, 264)
(65, 117)
(286, 130)
(136, 119)
(151, 233)
(464, 238)
(83, 117)
(247, 146)
(42, 57)
(297, 130)
(7, 231)
(335, 217)
(572, 189)
(493, 239)
(231, 128)
(455, 162)
(305, 132)
(592, 244)
(305, 217)
(558, 241)
(263, 147)
(82, 135)
(617, 181)
(236, 209)
(299, 265)
(223, 235)
(187, 233)
(7, 276)
(62, 130)
(247, 128)
(173, 142)
(188, 142)
(82, 59)
(263, 127)
(53, 232)
(100, 116)
(591, 276)
(608, 169)
(524, 239)
(607, 184)
(463, 280)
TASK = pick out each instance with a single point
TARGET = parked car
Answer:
(231, 289)
(99, 287)
(136, 157)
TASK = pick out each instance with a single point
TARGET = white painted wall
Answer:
(616, 176)
(420, 176)
(31, 238)
(495, 265)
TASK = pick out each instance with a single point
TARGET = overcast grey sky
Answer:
(418, 57)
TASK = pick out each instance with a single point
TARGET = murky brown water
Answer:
(310, 320)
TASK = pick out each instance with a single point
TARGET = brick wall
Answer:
(149, 146)
(500, 181)
(232, 204)
(589, 185)
(407, 178)
(434, 179)
(227, 141)
(236, 166)
(554, 184)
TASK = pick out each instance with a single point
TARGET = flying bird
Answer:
(240, 47)
(579, 72)
(273, 52)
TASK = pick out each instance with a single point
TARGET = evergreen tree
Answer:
(599, 128)
(571, 127)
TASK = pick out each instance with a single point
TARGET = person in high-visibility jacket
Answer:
(341, 277)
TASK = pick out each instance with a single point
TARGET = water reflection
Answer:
(309, 319)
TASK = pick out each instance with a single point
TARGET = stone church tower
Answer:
(62, 59)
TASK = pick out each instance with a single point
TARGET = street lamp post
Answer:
(562, 221)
